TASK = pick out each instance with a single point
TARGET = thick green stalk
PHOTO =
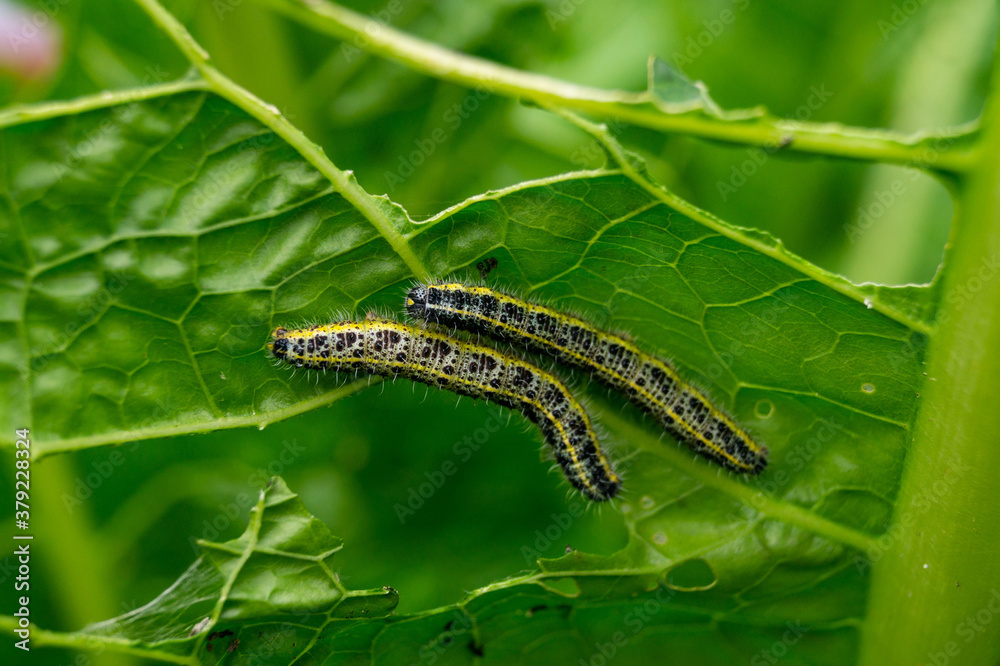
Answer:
(935, 594)
(362, 33)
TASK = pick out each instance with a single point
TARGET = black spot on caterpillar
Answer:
(649, 382)
(383, 347)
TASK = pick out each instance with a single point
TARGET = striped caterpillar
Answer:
(649, 382)
(383, 347)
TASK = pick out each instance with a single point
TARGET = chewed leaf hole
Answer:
(567, 587)
(764, 409)
(691, 575)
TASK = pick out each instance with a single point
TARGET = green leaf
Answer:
(676, 93)
(194, 230)
(272, 596)
(149, 245)
(277, 578)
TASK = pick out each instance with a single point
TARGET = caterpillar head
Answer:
(279, 346)
(416, 302)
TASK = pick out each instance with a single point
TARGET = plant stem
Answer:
(86, 643)
(936, 573)
(363, 33)
(17, 115)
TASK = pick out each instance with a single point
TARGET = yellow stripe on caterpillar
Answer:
(384, 347)
(649, 382)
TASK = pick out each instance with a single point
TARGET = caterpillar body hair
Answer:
(649, 382)
(389, 348)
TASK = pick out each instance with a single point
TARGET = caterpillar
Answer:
(384, 347)
(650, 383)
